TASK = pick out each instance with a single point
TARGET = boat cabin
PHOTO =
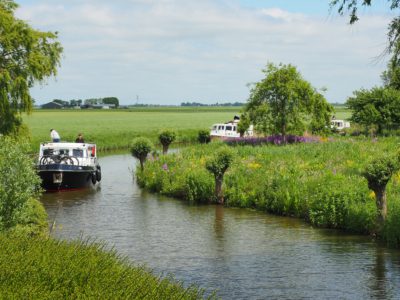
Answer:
(229, 130)
(68, 153)
(339, 124)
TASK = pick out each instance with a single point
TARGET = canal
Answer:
(243, 254)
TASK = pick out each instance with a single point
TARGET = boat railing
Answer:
(58, 159)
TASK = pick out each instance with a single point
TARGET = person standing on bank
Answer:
(79, 139)
(54, 136)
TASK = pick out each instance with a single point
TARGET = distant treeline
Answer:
(90, 101)
(215, 104)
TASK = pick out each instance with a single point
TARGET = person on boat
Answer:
(79, 139)
(54, 136)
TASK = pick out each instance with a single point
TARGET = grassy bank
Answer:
(115, 129)
(318, 182)
(48, 269)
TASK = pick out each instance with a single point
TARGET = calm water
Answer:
(243, 254)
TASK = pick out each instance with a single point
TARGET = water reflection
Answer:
(243, 254)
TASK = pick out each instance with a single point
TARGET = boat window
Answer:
(77, 152)
(63, 152)
(229, 128)
(48, 151)
(214, 128)
(234, 128)
(221, 127)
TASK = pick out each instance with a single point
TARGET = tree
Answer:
(166, 137)
(140, 148)
(111, 100)
(283, 101)
(217, 165)
(376, 108)
(27, 56)
(321, 115)
(378, 173)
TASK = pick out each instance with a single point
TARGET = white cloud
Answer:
(171, 51)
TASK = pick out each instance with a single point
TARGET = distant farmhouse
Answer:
(52, 105)
(99, 103)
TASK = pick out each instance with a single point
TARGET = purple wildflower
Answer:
(165, 167)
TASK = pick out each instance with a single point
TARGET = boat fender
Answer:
(98, 173)
(94, 178)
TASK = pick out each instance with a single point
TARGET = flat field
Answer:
(114, 129)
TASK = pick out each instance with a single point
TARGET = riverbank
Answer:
(34, 268)
(318, 182)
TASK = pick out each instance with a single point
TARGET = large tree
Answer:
(283, 102)
(27, 56)
(377, 108)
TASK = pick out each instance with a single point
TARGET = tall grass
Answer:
(319, 182)
(50, 269)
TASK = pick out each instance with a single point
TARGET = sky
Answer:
(172, 51)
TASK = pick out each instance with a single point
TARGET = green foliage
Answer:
(243, 124)
(48, 269)
(203, 136)
(18, 182)
(31, 220)
(376, 108)
(27, 56)
(380, 171)
(111, 100)
(166, 137)
(283, 101)
(140, 148)
(220, 162)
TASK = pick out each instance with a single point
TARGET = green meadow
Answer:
(114, 129)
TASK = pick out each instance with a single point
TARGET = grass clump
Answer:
(34, 268)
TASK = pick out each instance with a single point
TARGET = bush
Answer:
(140, 148)
(166, 137)
(18, 182)
(204, 137)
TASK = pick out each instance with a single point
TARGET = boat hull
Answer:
(65, 177)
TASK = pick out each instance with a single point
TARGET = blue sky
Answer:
(173, 51)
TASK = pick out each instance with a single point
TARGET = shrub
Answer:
(18, 182)
(166, 137)
(378, 173)
(204, 137)
(218, 165)
(140, 148)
